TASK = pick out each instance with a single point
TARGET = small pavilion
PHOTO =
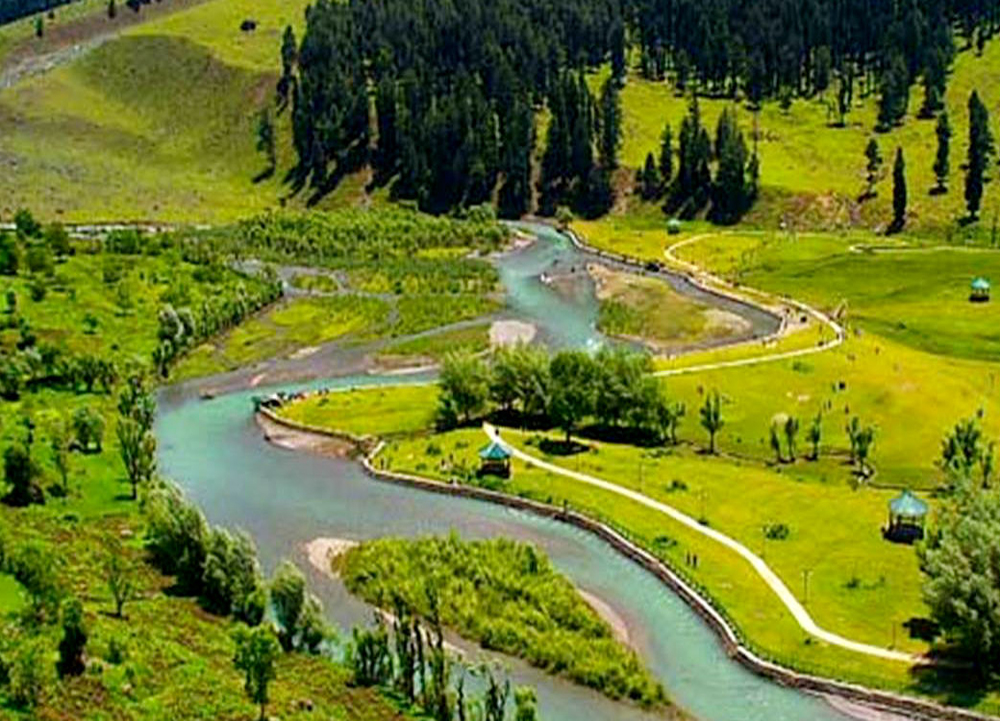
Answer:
(906, 518)
(979, 291)
(494, 460)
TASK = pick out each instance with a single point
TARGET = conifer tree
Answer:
(898, 191)
(942, 164)
(611, 125)
(980, 146)
(666, 155)
(873, 167)
(650, 179)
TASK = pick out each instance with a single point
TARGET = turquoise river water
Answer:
(215, 451)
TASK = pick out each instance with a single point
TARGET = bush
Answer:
(74, 639)
(231, 577)
(29, 673)
(176, 537)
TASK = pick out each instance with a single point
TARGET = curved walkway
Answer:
(775, 583)
(715, 284)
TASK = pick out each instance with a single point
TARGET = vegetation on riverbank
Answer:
(648, 310)
(507, 597)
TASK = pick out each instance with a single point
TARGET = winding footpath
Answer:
(714, 284)
(775, 583)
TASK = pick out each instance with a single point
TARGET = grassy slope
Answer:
(156, 124)
(181, 668)
(814, 172)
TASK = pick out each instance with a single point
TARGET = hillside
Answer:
(161, 120)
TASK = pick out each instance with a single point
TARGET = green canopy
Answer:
(981, 284)
(908, 506)
(494, 452)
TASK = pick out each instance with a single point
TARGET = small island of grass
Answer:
(506, 596)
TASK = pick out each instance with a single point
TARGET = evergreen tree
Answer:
(873, 166)
(895, 92)
(289, 54)
(980, 146)
(387, 144)
(941, 159)
(611, 125)
(616, 41)
(898, 191)
(650, 179)
(729, 192)
(666, 155)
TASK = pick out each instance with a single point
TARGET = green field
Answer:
(374, 411)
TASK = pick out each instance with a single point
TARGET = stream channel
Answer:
(216, 452)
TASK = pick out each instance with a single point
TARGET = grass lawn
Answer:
(916, 296)
(383, 412)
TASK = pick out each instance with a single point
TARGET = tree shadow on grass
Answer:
(952, 683)
(552, 447)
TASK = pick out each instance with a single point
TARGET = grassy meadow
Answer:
(813, 173)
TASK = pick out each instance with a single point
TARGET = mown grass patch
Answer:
(376, 411)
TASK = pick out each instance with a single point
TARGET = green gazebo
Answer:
(494, 460)
(906, 518)
(979, 290)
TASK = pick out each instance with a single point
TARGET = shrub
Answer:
(176, 537)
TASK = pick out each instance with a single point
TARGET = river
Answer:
(214, 450)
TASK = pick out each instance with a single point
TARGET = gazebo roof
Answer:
(980, 284)
(908, 506)
(494, 452)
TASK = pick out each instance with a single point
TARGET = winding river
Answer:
(216, 452)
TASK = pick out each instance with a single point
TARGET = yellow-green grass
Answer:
(811, 335)
(216, 25)
(472, 339)
(296, 324)
(161, 120)
(384, 412)
(917, 296)
(12, 595)
(912, 398)
(18, 31)
(722, 575)
(646, 309)
(814, 172)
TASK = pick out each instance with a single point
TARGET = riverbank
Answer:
(871, 698)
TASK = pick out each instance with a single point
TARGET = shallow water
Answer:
(215, 451)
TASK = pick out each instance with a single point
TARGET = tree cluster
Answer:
(612, 388)
(455, 92)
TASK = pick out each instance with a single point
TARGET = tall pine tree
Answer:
(898, 192)
(942, 165)
(980, 146)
